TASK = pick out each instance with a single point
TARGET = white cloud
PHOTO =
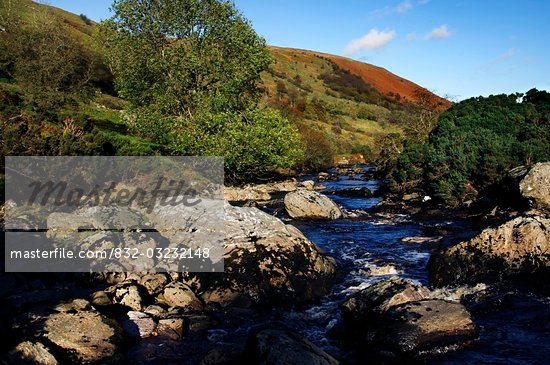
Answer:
(411, 37)
(439, 33)
(372, 40)
(404, 7)
(506, 55)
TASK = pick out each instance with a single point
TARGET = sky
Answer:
(456, 48)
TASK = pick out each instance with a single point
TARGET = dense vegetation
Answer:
(192, 78)
(475, 143)
(187, 76)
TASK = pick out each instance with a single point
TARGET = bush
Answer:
(253, 144)
(318, 151)
(476, 142)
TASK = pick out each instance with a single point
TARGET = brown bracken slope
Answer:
(381, 79)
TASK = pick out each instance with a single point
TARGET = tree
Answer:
(52, 67)
(190, 68)
(180, 56)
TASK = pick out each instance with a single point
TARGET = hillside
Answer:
(381, 79)
(340, 106)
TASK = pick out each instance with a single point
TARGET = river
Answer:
(514, 325)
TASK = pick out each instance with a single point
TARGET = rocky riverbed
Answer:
(317, 271)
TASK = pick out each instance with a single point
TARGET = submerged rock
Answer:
(278, 347)
(518, 247)
(358, 192)
(311, 204)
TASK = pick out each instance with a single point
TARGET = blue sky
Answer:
(457, 48)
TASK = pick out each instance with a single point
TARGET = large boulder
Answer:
(268, 262)
(398, 315)
(378, 298)
(77, 333)
(264, 192)
(520, 246)
(362, 310)
(426, 325)
(530, 186)
(278, 347)
(311, 204)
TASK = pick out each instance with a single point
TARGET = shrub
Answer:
(254, 143)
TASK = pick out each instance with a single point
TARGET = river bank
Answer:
(296, 297)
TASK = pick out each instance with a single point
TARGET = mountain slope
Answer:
(381, 79)
(340, 106)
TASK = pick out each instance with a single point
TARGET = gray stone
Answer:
(267, 262)
(139, 325)
(519, 246)
(425, 325)
(177, 294)
(311, 204)
(84, 335)
(173, 328)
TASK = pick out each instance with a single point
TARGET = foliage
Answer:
(51, 66)
(254, 143)
(476, 142)
(350, 85)
(181, 56)
(318, 150)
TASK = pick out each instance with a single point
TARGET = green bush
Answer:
(476, 142)
(253, 143)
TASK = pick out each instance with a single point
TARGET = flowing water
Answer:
(514, 327)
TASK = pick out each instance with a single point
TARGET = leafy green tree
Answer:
(180, 56)
(190, 68)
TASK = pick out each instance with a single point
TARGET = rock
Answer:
(81, 334)
(154, 283)
(155, 310)
(266, 262)
(173, 328)
(370, 303)
(131, 295)
(139, 325)
(535, 186)
(310, 204)
(426, 325)
(529, 187)
(264, 192)
(277, 347)
(410, 197)
(100, 299)
(517, 247)
(307, 184)
(96, 217)
(29, 353)
(177, 294)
